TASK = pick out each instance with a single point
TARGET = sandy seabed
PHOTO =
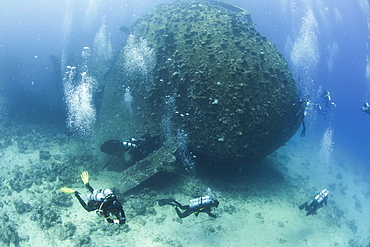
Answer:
(258, 207)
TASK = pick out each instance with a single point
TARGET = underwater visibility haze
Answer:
(248, 108)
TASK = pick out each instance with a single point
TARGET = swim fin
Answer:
(311, 212)
(163, 202)
(302, 206)
(67, 190)
(85, 177)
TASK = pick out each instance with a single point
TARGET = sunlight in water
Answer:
(91, 13)
(78, 91)
(102, 52)
(127, 100)
(138, 61)
(181, 140)
(367, 71)
(326, 146)
(305, 53)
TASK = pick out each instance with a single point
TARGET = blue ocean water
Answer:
(326, 44)
(336, 58)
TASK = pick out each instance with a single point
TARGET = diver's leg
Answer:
(303, 133)
(184, 214)
(304, 205)
(169, 201)
(186, 207)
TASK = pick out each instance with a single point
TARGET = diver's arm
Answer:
(120, 214)
(82, 202)
(212, 215)
(121, 217)
(88, 186)
(326, 200)
(208, 211)
(117, 221)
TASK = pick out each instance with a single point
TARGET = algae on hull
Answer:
(233, 91)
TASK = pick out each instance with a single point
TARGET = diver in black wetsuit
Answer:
(327, 98)
(304, 105)
(198, 205)
(104, 201)
(137, 148)
(317, 202)
(365, 108)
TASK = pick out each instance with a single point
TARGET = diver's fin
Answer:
(163, 202)
(85, 177)
(311, 212)
(302, 206)
(67, 190)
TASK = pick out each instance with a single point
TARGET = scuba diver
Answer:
(365, 108)
(104, 201)
(136, 148)
(328, 102)
(198, 205)
(115, 147)
(318, 202)
(304, 106)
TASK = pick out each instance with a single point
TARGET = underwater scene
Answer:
(185, 123)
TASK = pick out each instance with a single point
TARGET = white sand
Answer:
(258, 209)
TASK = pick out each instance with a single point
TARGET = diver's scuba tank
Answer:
(205, 200)
(134, 143)
(322, 195)
(130, 143)
(99, 195)
(200, 201)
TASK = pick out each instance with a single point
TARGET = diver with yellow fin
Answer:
(104, 201)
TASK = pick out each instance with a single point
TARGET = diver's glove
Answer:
(77, 194)
(85, 177)
(117, 221)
